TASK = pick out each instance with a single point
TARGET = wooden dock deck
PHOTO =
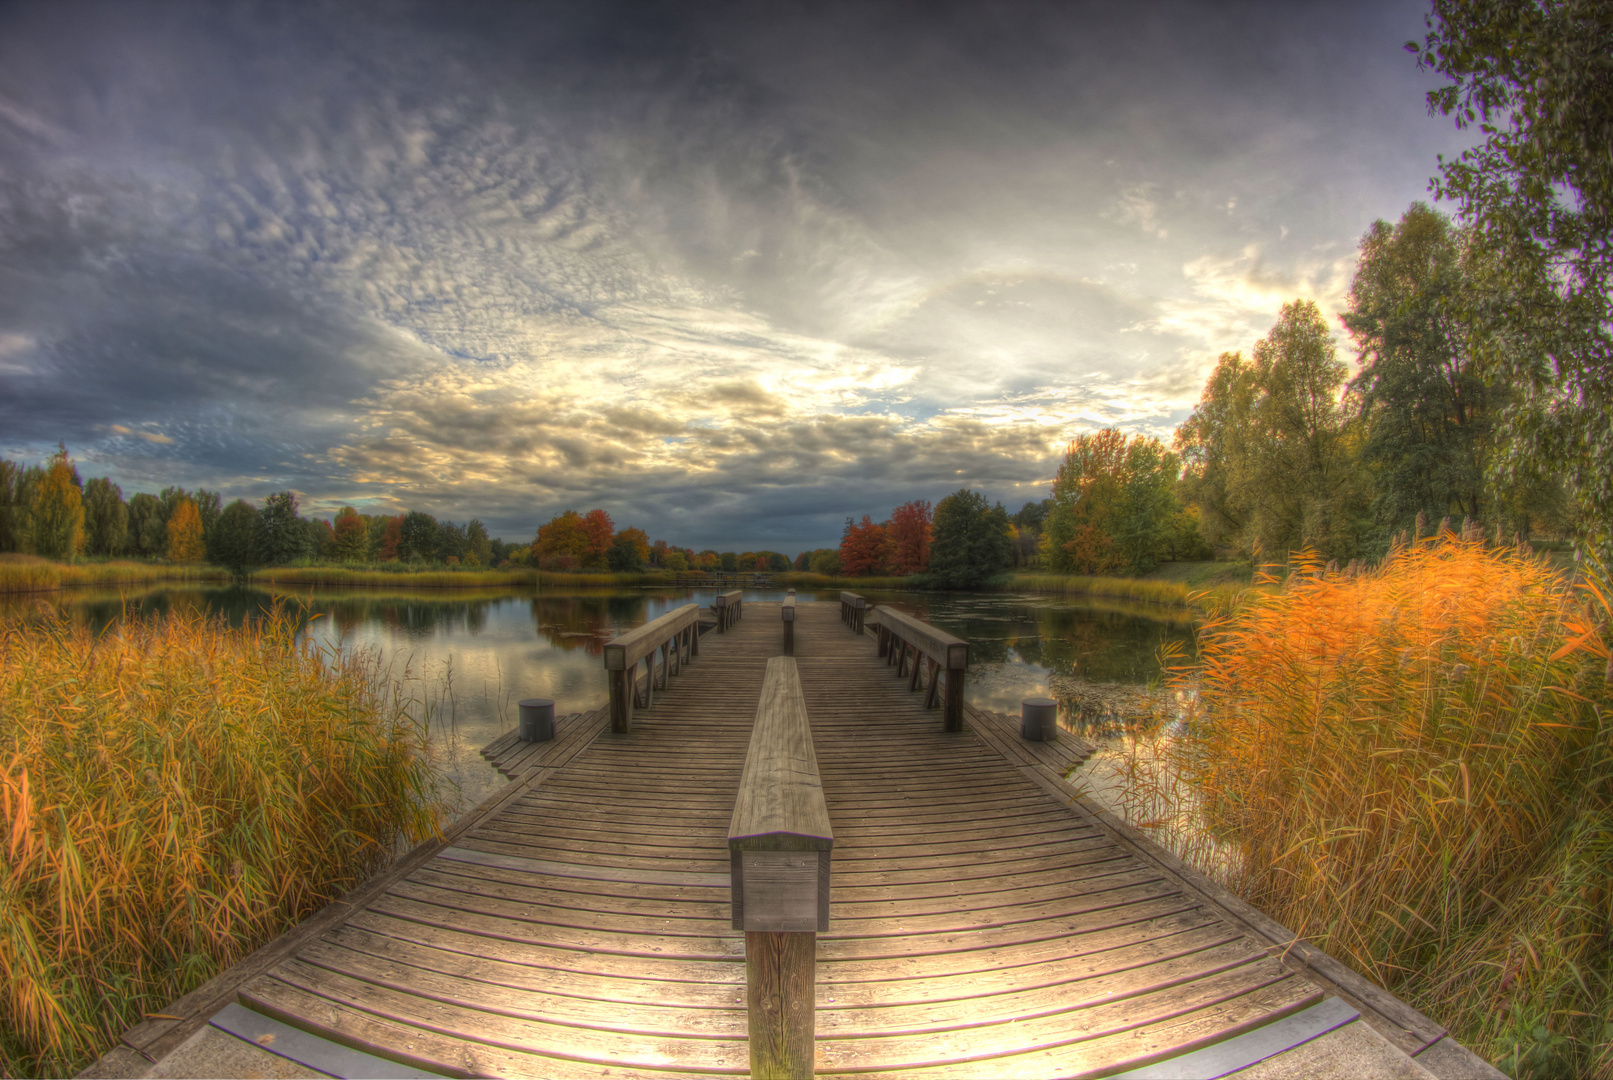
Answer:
(983, 924)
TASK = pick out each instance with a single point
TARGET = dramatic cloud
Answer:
(731, 272)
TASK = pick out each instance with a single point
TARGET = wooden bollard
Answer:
(788, 615)
(537, 719)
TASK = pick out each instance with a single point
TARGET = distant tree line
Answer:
(590, 542)
(49, 510)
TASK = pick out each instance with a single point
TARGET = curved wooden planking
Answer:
(978, 926)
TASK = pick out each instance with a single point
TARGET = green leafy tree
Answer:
(730, 562)
(970, 540)
(148, 529)
(1113, 505)
(209, 504)
(1214, 445)
(418, 537)
(1537, 197)
(56, 511)
(106, 518)
(13, 508)
(284, 536)
(825, 561)
(629, 551)
(452, 542)
(478, 547)
(236, 538)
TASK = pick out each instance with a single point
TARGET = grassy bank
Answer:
(176, 793)
(29, 573)
(384, 575)
(1413, 768)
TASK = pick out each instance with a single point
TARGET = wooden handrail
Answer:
(787, 614)
(900, 634)
(727, 607)
(779, 843)
(853, 610)
(677, 632)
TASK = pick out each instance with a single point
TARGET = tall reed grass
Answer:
(175, 793)
(29, 573)
(328, 576)
(1143, 590)
(1412, 767)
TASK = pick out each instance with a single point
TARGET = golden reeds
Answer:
(175, 792)
(1412, 766)
(401, 577)
(29, 573)
(1144, 590)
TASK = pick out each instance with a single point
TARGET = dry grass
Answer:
(801, 579)
(1413, 768)
(175, 793)
(1141, 590)
(403, 577)
(29, 574)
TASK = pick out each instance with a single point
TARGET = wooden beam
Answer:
(623, 653)
(780, 996)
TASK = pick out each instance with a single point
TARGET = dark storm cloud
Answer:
(732, 271)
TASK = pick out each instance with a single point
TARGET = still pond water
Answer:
(470, 655)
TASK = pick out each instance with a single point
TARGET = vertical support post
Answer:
(780, 991)
(952, 696)
(622, 692)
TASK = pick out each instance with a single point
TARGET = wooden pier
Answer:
(983, 922)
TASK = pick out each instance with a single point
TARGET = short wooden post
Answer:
(537, 719)
(952, 698)
(788, 614)
(622, 692)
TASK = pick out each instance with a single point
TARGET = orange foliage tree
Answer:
(863, 548)
(909, 531)
(562, 543)
(599, 530)
(185, 534)
(391, 537)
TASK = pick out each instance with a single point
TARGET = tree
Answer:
(598, 529)
(1214, 445)
(236, 537)
(730, 562)
(185, 534)
(391, 539)
(777, 563)
(106, 518)
(148, 530)
(1113, 506)
(13, 510)
(452, 542)
(561, 540)
(350, 537)
(825, 561)
(864, 547)
(478, 547)
(910, 536)
(676, 561)
(629, 551)
(209, 504)
(1537, 197)
(284, 539)
(56, 511)
(970, 541)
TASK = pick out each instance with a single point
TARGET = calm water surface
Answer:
(467, 656)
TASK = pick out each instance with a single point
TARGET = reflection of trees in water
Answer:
(584, 622)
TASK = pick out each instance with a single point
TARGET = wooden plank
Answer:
(1252, 1047)
(780, 793)
(297, 1045)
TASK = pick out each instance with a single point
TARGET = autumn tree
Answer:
(106, 517)
(969, 542)
(909, 532)
(675, 561)
(598, 529)
(185, 534)
(391, 539)
(350, 537)
(1113, 505)
(864, 547)
(561, 543)
(56, 511)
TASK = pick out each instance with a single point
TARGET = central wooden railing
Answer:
(853, 610)
(676, 635)
(779, 842)
(787, 614)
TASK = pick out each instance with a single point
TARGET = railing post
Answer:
(952, 701)
(788, 615)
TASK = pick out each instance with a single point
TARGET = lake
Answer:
(468, 656)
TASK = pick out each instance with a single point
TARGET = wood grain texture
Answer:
(985, 922)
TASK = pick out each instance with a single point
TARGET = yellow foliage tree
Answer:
(185, 534)
(57, 511)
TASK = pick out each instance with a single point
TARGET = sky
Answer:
(732, 272)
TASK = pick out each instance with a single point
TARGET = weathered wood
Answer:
(779, 997)
(787, 614)
(727, 607)
(671, 632)
(853, 611)
(901, 637)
